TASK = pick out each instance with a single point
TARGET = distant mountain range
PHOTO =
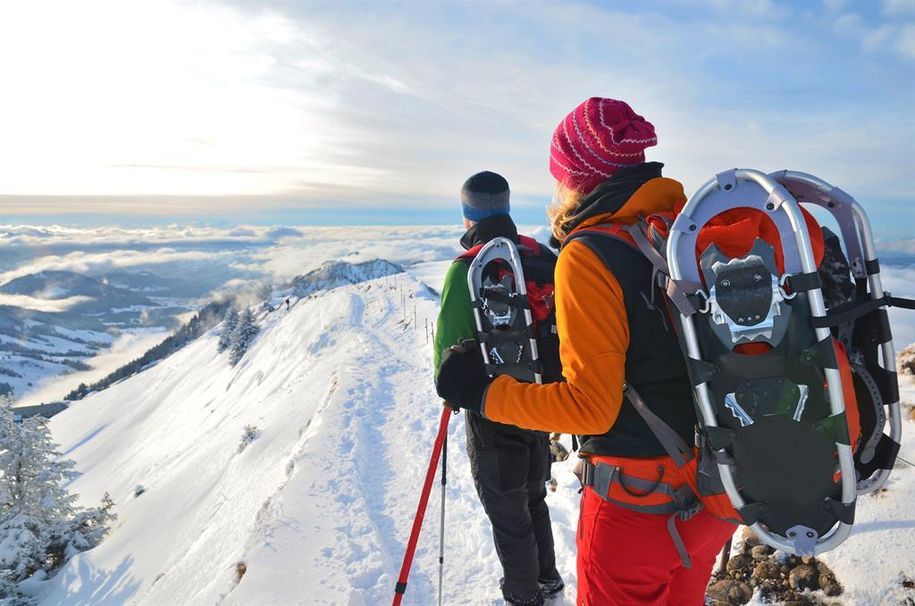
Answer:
(39, 341)
(118, 287)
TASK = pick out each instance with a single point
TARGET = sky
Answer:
(220, 113)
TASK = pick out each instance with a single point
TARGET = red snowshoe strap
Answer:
(470, 254)
(527, 246)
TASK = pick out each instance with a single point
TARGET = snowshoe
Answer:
(792, 422)
(854, 298)
(505, 325)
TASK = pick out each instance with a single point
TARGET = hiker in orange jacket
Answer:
(642, 537)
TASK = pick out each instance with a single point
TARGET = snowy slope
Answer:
(882, 548)
(319, 506)
(317, 509)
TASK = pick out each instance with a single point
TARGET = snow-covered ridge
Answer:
(333, 274)
(317, 507)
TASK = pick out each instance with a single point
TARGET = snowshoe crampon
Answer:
(505, 326)
(769, 337)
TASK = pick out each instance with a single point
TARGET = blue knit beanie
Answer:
(483, 195)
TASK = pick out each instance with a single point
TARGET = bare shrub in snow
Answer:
(41, 527)
(249, 434)
(242, 336)
(229, 323)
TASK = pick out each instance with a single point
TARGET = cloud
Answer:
(835, 5)
(96, 263)
(39, 304)
(50, 236)
(901, 282)
(895, 8)
(214, 111)
(905, 44)
(892, 37)
(285, 105)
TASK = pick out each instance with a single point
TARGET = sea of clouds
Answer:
(238, 257)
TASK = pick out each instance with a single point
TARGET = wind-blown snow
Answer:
(318, 506)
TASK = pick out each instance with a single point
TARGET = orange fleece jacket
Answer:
(594, 336)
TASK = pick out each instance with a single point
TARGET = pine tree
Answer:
(40, 525)
(229, 324)
(242, 336)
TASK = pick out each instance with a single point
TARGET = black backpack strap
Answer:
(594, 231)
(849, 312)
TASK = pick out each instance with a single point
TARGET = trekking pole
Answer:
(401, 586)
(441, 527)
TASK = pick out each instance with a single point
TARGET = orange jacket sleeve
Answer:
(594, 336)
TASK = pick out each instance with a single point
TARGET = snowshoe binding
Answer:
(502, 311)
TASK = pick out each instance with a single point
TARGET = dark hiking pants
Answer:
(510, 467)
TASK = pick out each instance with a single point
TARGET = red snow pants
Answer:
(628, 558)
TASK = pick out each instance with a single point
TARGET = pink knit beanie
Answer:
(596, 139)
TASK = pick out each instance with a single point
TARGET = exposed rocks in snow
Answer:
(249, 434)
(333, 274)
(777, 577)
(240, 569)
(905, 360)
(729, 591)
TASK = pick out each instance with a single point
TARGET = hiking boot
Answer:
(514, 600)
(551, 588)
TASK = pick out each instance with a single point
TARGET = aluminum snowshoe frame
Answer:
(520, 328)
(861, 253)
(756, 190)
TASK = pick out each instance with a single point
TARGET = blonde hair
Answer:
(562, 209)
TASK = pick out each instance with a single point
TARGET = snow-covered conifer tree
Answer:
(242, 336)
(229, 324)
(40, 525)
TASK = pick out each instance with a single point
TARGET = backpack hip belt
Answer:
(652, 496)
(657, 497)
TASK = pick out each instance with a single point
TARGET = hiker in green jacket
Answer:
(510, 466)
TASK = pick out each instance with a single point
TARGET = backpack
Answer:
(512, 290)
(782, 337)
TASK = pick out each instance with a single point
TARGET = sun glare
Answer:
(151, 98)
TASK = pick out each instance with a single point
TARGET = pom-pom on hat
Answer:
(483, 195)
(596, 139)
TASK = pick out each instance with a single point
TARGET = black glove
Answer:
(462, 378)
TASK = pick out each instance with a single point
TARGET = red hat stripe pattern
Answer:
(590, 169)
(558, 158)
